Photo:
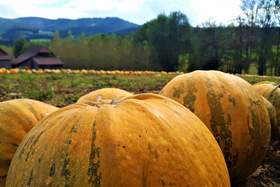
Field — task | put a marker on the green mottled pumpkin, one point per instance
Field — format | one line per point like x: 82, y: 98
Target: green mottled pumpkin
x: 232, y: 110
x: 143, y: 140
x: 17, y: 117
x: 275, y: 130
x: 272, y: 93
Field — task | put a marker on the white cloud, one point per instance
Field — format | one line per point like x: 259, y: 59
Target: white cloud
x: 218, y: 10
x: 138, y: 11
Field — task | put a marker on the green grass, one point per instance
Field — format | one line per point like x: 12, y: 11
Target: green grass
x: 253, y: 79
x: 64, y: 89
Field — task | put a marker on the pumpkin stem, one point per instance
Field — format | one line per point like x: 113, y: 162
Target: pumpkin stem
x: 102, y: 101
x: 276, y: 87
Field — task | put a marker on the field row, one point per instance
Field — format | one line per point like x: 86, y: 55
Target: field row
x: 83, y: 71
x: 4, y: 71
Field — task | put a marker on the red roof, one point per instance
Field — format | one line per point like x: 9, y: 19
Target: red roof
x: 47, y: 61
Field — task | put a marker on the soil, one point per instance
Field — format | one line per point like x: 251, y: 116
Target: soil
x: 268, y: 174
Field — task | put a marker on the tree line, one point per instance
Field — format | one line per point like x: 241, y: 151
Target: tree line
x: 170, y: 43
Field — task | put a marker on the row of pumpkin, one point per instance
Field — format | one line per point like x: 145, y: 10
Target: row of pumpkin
x: 83, y: 71
x: 214, y: 130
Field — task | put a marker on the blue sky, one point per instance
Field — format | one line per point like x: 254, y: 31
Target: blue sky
x: 138, y: 11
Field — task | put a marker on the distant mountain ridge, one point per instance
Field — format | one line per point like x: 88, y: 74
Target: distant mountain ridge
x: 43, y: 28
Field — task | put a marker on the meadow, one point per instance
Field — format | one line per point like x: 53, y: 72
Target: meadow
x: 62, y: 89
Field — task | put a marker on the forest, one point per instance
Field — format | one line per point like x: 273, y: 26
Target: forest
x: 249, y: 44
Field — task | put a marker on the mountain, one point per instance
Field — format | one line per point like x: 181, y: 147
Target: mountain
x: 42, y: 28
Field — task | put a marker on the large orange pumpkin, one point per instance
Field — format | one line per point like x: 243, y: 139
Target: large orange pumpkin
x: 144, y: 140
x: 109, y: 94
x: 272, y: 93
x: 232, y: 110
x: 17, y: 117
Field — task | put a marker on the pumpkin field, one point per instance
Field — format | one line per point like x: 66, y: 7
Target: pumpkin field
x: 135, y: 123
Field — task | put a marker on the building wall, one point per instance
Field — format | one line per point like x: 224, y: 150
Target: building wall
x: 5, y: 64
x: 51, y: 66
x: 26, y: 64
x: 33, y: 65
x: 30, y: 64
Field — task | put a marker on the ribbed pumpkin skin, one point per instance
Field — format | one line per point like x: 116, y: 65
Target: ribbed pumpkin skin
x: 110, y: 94
x: 145, y: 140
x: 272, y: 94
x: 234, y: 113
x: 17, y: 117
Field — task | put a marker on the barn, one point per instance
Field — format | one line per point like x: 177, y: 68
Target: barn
x: 5, y: 60
x: 37, y: 57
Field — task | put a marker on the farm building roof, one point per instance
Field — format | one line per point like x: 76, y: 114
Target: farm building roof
x: 4, y: 55
x: 32, y: 52
x: 47, y: 61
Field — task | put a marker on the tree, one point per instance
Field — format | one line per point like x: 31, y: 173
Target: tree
x: 266, y: 22
x: 239, y: 44
x: 277, y: 39
x: 19, y: 47
x: 250, y: 9
x: 206, y: 47
x: 259, y: 16
x: 169, y: 36
x: 107, y: 52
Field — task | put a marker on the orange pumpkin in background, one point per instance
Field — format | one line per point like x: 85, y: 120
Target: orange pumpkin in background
x: 17, y: 118
x: 272, y: 93
x: 275, y: 130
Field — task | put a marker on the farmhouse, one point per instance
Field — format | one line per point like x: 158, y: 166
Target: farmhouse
x: 5, y: 60
x: 37, y: 57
